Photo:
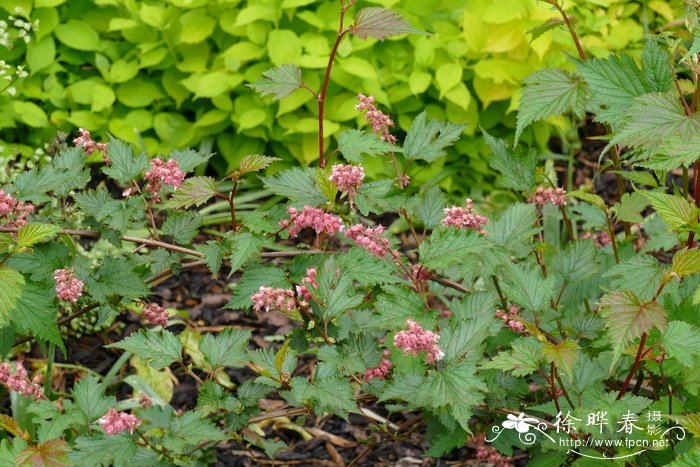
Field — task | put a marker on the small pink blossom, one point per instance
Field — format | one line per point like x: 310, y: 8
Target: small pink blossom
x: 369, y: 238
x: 163, y: 173
x: 542, y: 196
x: 310, y: 279
x: 68, y: 287
x: 268, y: 298
x: 488, y: 454
x: 511, y: 319
x: 464, y: 218
x: 155, y: 314
x: 600, y: 238
x: 114, y: 422
x: 311, y: 218
x: 18, y: 381
x: 13, y: 211
x: 347, y: 178
x: 415, y: 340
x: 89, y: 146
x: 382, y: 370
x: 378, y: 120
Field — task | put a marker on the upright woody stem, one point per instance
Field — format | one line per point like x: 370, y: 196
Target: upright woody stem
x: 326, y: 78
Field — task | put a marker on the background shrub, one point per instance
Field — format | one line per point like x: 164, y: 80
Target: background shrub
x: 171, y: 74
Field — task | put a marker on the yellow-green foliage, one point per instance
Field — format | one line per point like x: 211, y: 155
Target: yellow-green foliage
x: 166, y: 74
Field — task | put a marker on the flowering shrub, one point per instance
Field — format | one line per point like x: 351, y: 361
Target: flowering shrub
x: 461, y: 314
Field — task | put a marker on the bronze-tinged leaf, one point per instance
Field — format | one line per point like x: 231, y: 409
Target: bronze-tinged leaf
x: 52, y: 453
x: 627, y: 318
x: 380, y: 23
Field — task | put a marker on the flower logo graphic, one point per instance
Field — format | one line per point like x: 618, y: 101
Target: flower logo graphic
x: 520, y: 423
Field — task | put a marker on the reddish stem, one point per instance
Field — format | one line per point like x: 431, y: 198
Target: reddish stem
x: 326, y: 80
x: 635, y: 365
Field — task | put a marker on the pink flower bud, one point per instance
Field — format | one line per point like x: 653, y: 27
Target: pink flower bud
x: 464, y: 218
x: 163, y: 173
x: 311, y: 218
x: 542, y: 196
x: 415, y: 340
x: 268, y: 298
x: 370, y: 239
x: 155, y: 314
x: 379, y: 121
x: 68, y: 287
x: 347, y: 178
x: 114, y: 422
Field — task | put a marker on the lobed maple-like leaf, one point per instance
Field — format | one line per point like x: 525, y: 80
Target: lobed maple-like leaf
x: 380, y: 23
x: 280, y: 81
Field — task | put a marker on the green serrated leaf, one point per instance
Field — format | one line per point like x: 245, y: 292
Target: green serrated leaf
x: 686, y: 262
x: 446, y: 247
x: 677, y: 212
x: 35, y: 313
x: 227, y: 348
x: 297, y: 184
x: 160, y: 348
x: 548, y: 92
x: 34, y: 232
x: 245, y: 247
x: 194, y: 191
x: 280, y: 81
x: 182, y: 226
x: 124, y: 167
x: 11, y: 283
x: 427, y: 139
x: 630, y: 207
x: 681, y: 341
x: 525, y: 286
x: 353, y: 144
x: 214, y: 253
x: 89, y: 398
x: 524, y: 358
x: 255, y: 163
x: 517, y: 169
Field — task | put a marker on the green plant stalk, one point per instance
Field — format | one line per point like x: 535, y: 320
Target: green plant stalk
x: 326, y: 80
x: 121, y: 361
x: 48, y: 377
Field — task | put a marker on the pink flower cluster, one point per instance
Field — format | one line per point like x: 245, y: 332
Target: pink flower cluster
x: 268, y: 298
x: 114, y: 422
x: 89, y: 146
x: 312, y: 218
x: 600, y: 238
x: 415, y: 340
x: 310, y: 279
x: 163, y: 173
x: 378, y: 120
x: 488, y: 454
x: 464, y: 218
x: 68, y: 287
x: 155, y: 314
x: 13, y: 210
x: 19, y: 381
x: 369, y: 238
x: 542, y: 196
x: 347, y: 178
x: 511, y: 318
x: 380, y: 371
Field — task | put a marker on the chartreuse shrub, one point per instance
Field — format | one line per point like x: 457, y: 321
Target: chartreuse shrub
x: 572, y: 315
x: 171, y: 74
